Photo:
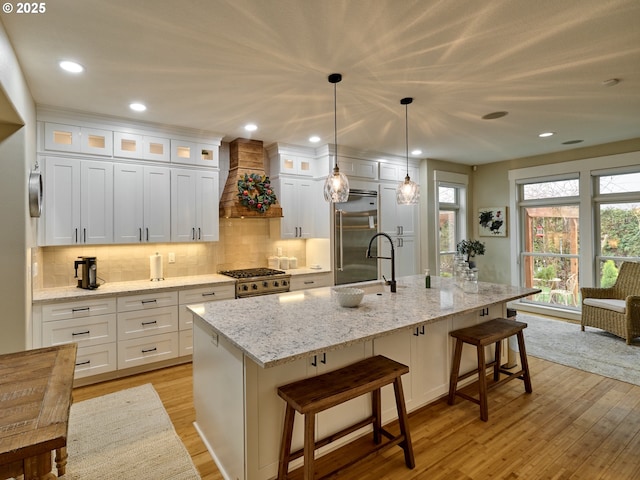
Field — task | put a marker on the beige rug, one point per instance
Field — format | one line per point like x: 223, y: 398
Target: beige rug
x: 125, y: 435
x: 594, y: 350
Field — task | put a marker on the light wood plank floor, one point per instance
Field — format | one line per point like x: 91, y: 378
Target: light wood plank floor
x: 575, y: 425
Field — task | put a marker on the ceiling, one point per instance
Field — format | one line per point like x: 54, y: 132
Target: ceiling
x: 216, y: 65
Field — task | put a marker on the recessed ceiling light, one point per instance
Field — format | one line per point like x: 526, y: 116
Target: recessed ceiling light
x: 137, y: 107
x: 72, y: 67
x: 571, y: 142
x: 314, y: 139
x: 494, y: 115
x: 251, y: 127
x: 417, y: 151
x: 546, y: 134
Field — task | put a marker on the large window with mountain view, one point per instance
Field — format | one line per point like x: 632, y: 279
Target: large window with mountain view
x: 617, y: 210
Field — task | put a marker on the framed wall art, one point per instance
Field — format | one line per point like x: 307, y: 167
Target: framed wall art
x: 492, y: 222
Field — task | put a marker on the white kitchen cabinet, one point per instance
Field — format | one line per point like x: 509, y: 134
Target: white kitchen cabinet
x: 312, y: 280
x: 396, y: 220
x: 142, y: 204
x: 357, y: 168
x: 147, y: 328
x: 78, y: 202
x: 74, y: 139
x: 187, y: 152
x: 131, y: 145
x: 296, y: 196
x: 425, y: 349
x: 89, y: 323
x: 296, y: 165
x: 396, y: 172
x: 256, y: 428
x: 194, y: 296
x: 194, y: 205
x: 400, y: 222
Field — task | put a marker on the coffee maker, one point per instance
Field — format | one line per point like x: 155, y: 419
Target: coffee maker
x: 89, y: 280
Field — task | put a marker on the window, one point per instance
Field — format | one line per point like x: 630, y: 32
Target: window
x: 617, y: 209
x: 550, y: 225
x: 451, y: 221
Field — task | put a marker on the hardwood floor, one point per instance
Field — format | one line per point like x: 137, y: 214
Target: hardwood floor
x: 575, y: 425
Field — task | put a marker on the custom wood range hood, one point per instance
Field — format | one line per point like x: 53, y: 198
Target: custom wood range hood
x: 245, y: 156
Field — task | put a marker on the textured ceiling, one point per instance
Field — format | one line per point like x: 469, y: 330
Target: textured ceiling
x: 217, y: 64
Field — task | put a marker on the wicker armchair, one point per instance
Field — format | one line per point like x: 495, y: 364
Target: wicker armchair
x: 615, y: 309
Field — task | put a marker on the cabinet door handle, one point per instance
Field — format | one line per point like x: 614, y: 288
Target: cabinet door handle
x: 84, y: 235
x: 76, y: 235
x: 324, y: 358
x: 86, y: 362
x: 80, y: 309
x: 300, y: 232
x: 314, y: 362
x: 199, y: 234
x: 309, y: 282
x: 416, y: 332
x: 149, y: 350
x: 211, y: 294
x: 152, y: 322
x: 144, y: 302
x: 140, y: 234
x: 193, y: 233
x: 87, y: 332
x: 422, y: 330
x: 147, y: 229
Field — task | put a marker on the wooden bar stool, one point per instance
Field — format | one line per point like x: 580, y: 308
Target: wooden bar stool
x: 313, y: 395
x: 481, y: 335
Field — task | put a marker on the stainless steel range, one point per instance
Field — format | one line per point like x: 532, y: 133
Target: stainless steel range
x: 251, y: 282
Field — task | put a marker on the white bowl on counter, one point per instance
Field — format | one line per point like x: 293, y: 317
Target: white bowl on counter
x: 348, y: 297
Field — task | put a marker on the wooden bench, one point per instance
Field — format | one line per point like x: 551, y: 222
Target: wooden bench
x: 482, y: 335
x: 313, y: 395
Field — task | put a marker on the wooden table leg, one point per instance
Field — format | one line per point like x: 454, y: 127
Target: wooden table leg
x: 61, y: 460
x: 38, y: 467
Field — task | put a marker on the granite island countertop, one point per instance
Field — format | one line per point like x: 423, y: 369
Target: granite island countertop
x: 276, y: 329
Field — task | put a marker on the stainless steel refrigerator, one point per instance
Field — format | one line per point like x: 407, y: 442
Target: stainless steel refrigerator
x: 356, y: 221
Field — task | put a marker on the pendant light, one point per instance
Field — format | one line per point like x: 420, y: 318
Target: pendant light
x: 408, y: 192
x: 336, y: 186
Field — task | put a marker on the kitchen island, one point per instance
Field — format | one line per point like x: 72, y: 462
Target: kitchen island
x: 244, y: 349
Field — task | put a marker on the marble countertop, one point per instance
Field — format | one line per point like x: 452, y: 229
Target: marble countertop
x: 144, y: 286
x: 276, y: 329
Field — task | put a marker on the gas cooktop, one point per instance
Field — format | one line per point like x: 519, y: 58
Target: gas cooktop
x: 252, y: 272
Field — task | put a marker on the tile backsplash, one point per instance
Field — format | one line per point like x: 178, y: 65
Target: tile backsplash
x: 244, y: 243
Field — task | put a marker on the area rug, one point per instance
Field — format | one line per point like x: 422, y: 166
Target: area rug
x: 593, y: 350
x: 125, y: 435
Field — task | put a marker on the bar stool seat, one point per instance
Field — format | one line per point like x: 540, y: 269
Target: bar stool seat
x: 482, y: 335
x: 315, y: 394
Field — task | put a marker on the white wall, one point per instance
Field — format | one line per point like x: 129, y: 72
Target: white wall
x: 17, y: 157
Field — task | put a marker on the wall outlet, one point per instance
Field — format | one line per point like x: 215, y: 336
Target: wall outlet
x: 172, y: 257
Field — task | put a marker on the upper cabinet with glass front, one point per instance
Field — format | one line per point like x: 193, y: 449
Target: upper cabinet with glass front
x: 70, y: 138
x: 188, y: 152
x: 130, y: 145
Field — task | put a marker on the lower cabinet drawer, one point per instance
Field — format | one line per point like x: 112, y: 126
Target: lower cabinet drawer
x: 140, y: 351
x: 186, y: 342
x: 143, y: 323
x: 95, y: 360
x: 84, y: 331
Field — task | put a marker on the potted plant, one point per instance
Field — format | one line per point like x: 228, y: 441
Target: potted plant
x: 470, y: 248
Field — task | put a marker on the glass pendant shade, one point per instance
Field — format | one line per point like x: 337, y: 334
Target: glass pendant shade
x: 408, y: 192
x: 336, y: 186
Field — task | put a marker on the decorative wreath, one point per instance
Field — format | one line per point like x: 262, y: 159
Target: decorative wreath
x: 254, y: 191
